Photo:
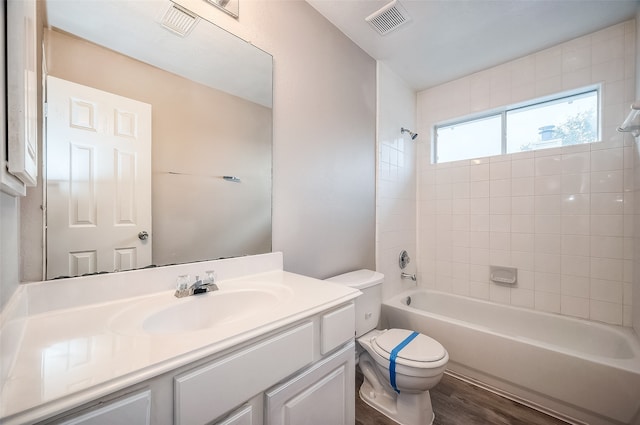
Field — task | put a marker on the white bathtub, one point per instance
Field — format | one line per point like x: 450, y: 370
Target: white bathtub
x: 577, y: 370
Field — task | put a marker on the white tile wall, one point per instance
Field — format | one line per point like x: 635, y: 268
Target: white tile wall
x: 562, y: 216
x: 632, y: 154
x: 396, y: 180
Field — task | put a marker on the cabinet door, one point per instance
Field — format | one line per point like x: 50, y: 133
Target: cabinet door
x: 130, y: 410
x: 205, y: 393
x: 323, y: 394
x: 22, y: 90
x: 243, y: 416
x: 8, y: 182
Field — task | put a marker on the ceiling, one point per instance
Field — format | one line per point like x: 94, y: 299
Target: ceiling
x: 448, y: 39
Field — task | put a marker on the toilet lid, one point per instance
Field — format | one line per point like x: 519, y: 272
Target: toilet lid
x: 420, y: 349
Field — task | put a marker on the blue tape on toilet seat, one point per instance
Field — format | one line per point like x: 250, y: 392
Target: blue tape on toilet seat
x: 392, y: 359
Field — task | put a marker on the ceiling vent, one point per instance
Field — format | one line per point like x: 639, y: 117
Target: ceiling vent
x: 178, y: 20
x: 389, y: 18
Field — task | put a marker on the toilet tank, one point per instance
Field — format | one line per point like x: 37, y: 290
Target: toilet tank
x: 368, y: 304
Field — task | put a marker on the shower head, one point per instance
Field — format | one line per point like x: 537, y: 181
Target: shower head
x: 411, y: 133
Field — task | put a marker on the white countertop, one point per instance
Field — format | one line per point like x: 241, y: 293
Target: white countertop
x: 67, y: 357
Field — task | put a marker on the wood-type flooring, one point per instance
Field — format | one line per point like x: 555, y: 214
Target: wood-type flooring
x: 456, y: 402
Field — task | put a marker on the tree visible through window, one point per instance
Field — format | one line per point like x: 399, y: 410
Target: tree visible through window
x: 580, y: 128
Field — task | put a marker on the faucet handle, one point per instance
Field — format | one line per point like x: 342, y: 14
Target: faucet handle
x: 210, y: 276
x: 182, y: 286
x: 182, y: 283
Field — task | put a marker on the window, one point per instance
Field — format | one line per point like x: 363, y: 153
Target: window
x: 461, y: 141
x: 561, y: 121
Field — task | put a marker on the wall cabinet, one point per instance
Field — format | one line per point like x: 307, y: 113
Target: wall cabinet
x: 20, y: 156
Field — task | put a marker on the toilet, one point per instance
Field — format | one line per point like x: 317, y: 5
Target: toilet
x: 400, y: 366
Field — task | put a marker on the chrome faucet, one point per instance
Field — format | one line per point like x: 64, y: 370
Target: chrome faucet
x: 200, y: 286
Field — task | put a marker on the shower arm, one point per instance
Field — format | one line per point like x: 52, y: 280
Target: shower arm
x: 411, y: 133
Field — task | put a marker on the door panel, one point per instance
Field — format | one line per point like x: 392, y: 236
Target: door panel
x: 98, y: 182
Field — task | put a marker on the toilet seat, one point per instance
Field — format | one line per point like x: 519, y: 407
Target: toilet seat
x: 421, y: 352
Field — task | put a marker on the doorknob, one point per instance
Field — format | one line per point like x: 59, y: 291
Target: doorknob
x: 143, y: 236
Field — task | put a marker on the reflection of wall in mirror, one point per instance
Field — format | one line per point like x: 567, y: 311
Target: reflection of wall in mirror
x: 199, y: 135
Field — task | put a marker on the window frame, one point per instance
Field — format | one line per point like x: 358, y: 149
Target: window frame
x: 502, y: 113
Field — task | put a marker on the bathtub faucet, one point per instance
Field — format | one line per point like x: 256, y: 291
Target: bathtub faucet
x: 409, y: 276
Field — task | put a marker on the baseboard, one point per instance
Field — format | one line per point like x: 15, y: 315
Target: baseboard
x: 515, y: 398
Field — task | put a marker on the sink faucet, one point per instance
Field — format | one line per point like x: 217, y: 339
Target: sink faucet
x: 200, y: 286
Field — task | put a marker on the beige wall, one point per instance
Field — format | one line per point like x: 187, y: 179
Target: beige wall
x: 200, y: 132
x: 635, y: 290
x: 324, y: 135
x: 9, y: 246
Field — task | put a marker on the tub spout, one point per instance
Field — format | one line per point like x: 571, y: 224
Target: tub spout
x: 409, y: 276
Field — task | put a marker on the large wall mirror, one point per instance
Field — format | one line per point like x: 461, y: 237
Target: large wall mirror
x: 158, y: 138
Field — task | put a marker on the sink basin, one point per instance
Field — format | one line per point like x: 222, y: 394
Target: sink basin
x: 208, y: 310
x: 166, y: 314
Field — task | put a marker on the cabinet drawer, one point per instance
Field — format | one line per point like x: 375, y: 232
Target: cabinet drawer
x: 204, y: 394
x: 338, y: 327
x: 133, y: 410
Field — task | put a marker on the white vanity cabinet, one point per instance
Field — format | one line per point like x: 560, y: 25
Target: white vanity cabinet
x: 210, y: 359
x: 303, y: 370
x: 314, y: 362
x: 208, y: 391
x: 322, y: 394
